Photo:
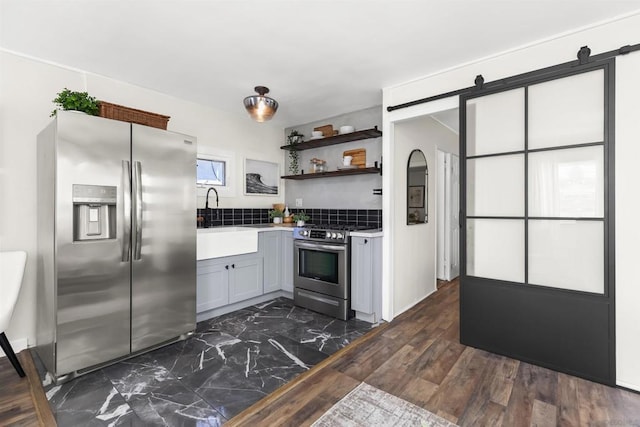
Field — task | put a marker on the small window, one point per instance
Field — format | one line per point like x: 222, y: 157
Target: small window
x: 211, y: 172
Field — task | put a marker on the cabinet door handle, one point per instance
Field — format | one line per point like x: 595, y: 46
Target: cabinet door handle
x: 226, y: 266
x: 233, y: 266
x: 366, y: 241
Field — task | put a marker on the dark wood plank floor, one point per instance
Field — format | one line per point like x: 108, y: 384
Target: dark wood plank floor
x: 418, y: 357
x: 22, y: 400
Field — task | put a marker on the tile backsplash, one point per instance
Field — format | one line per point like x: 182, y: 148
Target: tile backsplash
x: 371, y: 218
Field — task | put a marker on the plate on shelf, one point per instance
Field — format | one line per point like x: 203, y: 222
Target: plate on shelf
x: 342, y: 168
x: 316, y: 137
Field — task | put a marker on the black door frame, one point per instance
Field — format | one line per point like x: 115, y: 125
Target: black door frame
x: 565, y: 330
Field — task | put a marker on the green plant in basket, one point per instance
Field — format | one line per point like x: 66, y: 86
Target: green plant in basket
x: 78, y: 101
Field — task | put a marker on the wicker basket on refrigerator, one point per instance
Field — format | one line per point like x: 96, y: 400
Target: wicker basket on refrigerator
x: 132, y: 115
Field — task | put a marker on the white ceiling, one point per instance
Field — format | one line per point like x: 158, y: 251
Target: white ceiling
x: 320, y: 58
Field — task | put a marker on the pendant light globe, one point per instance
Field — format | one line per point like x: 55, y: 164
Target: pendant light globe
x: 261, y: 108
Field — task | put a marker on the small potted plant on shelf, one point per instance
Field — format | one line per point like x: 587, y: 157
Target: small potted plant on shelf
x: 300, y: 218
x: 77, y: 101
x: 294, y: 138
x: 276, y: 215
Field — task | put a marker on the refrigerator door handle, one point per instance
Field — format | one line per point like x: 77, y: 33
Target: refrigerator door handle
x: 126, y: 207
x: 137, y: 208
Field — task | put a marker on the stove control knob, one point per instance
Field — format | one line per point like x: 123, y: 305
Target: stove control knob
x: 340, y: 236
x: 334, y: 236
x: 303, y: 232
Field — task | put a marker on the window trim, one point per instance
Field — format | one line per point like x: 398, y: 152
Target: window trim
x: 229, y: 158
x: 224, y: 178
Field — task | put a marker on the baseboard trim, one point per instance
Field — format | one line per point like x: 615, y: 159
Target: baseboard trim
x: 629, y: 386
x: 18, y: 345
x: 413, y: 304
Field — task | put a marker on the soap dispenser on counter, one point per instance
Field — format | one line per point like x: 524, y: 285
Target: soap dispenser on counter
x: 287, y: 218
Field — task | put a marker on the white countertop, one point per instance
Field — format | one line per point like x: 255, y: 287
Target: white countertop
x: 259, y: 227
x: 375, y: 232
x: 270, y: 227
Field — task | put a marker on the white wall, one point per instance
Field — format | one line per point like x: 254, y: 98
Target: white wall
x: 27, y: 87
x: 627, y: 229
x: 415, y: 260
x: 601, y: 38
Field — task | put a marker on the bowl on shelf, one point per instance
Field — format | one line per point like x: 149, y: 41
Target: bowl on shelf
x: 316, y: 134
x: 346, y: 129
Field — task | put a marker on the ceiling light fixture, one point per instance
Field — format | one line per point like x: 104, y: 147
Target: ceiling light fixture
x: 261, y: 108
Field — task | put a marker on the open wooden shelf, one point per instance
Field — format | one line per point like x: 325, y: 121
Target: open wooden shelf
x: 333, y: 140
x: 346, y: 172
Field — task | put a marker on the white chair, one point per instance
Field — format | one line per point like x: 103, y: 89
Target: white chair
x: 11, y: 272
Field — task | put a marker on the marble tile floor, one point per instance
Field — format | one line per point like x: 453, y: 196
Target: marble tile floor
x: 231, y: 362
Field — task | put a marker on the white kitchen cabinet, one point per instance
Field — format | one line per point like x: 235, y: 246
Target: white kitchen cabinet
x: 366, y: 277
x: 226, y: 280
x: 212, y: 285
x: 245, y: 279
x: 270, y: 244
x: 287, y: 261
x: 230, y: 280
x: 277, y: 250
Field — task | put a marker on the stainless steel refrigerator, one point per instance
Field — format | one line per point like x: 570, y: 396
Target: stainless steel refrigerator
x: 116, y: 241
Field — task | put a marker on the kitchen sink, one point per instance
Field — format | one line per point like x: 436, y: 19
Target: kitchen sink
x: 219, y: 242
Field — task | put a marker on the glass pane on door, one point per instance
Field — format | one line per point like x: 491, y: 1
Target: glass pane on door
x: 567, y: 254
x: 567, y: 183
x: 567, y: 111
x: 495, y: 249
x: 495, y: 186
x: 495, y: 123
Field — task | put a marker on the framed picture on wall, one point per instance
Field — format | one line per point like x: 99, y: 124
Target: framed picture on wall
x: 416, y: 196
x: 261, y: 178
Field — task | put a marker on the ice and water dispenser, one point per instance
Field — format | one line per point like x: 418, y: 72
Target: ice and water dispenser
x: 94, y: 212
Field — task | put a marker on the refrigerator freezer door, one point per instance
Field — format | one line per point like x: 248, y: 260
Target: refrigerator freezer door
x: 93, y: 283
x: 163, y: 268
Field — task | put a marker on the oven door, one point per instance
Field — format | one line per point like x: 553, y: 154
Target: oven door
x: 321, y: 267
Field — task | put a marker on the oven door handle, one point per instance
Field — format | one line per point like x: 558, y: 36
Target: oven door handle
x: 331, y: 248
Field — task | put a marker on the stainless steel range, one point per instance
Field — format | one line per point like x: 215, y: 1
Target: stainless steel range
x: 322, y: 268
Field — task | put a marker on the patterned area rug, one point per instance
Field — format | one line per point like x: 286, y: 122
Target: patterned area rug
x: 368, y: 406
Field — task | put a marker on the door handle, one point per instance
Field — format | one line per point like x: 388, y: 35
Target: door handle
x: 233, y: 266
x: 137, y: 208
x: 317, y: 246
x: 226, y: 267
x: 126, y: 207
